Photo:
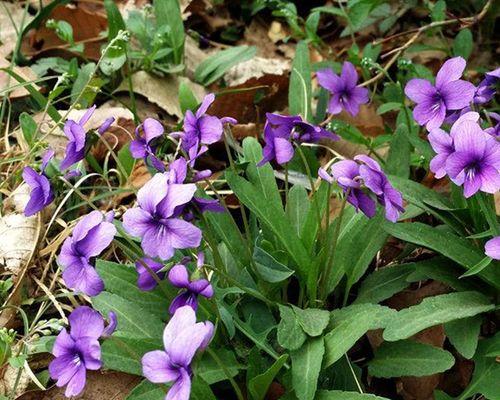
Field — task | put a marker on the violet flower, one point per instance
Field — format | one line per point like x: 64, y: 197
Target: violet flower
x: 355, y: 177
x: 201, y: 129
x: 145, y: 281
x: 449, y: 93
x: 281, y: 130
x: 492, y: 248
x: 494, y: 130
x: 76, y: 133
x: 79, y: 350
x: 41, y: 194
x: 182, y: 338
x: 91, y: 235
x: 179, y: 277
x: 346, y: 94
x: 156, y: 220
x: 486, y: 89
x: 442, y: 144
x: 141, y: 147
x: 106, y: 125
x: 475, y: 163
x: 346, y: 173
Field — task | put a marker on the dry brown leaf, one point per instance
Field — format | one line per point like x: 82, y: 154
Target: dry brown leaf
x: 9, y: 381
x: 162, y: 91
x: 87, y: 29
x: 8, y: 33
x: 6, y: 81
x: 276, y: 32
x: 19, y: 237
x: 255, y: 68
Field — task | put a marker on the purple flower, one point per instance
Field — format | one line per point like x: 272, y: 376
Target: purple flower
x: 345, y: 92
x: 475, y: 163
x: 201, y: 129
x: 145, y: 281
x: 76, y: 134
x: 486, y: 89
x: 47, y: 156
x: 106, y: 125
x: 442, y: 144
x: 492, y: 248
x: 182, y: 338
x: 277, y: 135
x: 91, y: 235
x: 494, y: 130
x: 305, y: 132
x: 449, y: 93
x: 41, y: 194
x: 141, y: 147
x: 177, y: 173
x: 112, y: 324
x: 354, y: 177
x: 178, y: 276
x: 156, y: 219
x: 77, y: 351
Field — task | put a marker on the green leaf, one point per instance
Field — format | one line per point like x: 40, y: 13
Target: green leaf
x: 419, y: 194
x: 398, y: 161
x: 312, y: 320
x: 133, y: 320
x: 486, y: 372
x: 290, y: 333
x: 187, y: 99
x: 297, y: 207
x: 311, y: 225
x: 409, y: 358
x: 268, y: 268
x: 384, y: 283
x: 299, y: 91
x: 386, y: 107
x: 168, y: 14
x: 211, y: 372
x: 340, y: 395
x: 434, y: 311
x: 115, y: 20
x: 146, y: 391
x: 216, y: 65
x: 463, y: 44
x: 200, y: 390
x: 126, y: 159
x: 124, y: 354
x: 464, y: 334
x: 259, y: 385
x: 476, y: 269
x: 306, y: 365
x: 454, y: 247
x: 114, y: 57
x: 121, y: 280
x: 359, y: 241
x: 28, y: 126
x: 349, y: 324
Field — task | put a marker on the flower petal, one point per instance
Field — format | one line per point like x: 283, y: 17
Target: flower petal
x: 156, y: 367
x: 64, y: 344
x: 181, y: 389
x: 183, y: 234
x: 283, y: 150
x: 183, y: 320
x: 457, y: 94
x: 450, y: 71
x: 210, y: 129
x: 85, y: 322
x: 178, y: 276
x: 349, y: 75
x: 207, y: 102
x: 153, y: 192
x: 419, y: 90
x: 83, y: 278
x: 329, y: 80
x: 177, y: 195
x: 152, y: 129
x: 137, y: 222
x: 492, y: 248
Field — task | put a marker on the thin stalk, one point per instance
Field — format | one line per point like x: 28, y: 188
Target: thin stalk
x: 331, y: 255
x: 286, y: 185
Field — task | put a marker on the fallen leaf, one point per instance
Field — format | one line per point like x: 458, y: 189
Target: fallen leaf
x: 255, y: 68
x: 19, y: 237
x: 162, y: 91
x: 276, y: 32
x: 11, y: 16
x: 13, y: 378
x: 87, y: 28
x: 6, y: 81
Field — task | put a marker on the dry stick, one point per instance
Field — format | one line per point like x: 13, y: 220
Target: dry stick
x: 398, y: 51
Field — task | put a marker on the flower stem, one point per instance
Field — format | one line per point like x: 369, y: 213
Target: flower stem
x: 219, y: 362
x: 331, y: 255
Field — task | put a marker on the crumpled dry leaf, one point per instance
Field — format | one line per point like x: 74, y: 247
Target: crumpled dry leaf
x: 193, y: 56
x: 87, y: 28
x: 9, y: 378
x: 276, y: 32
x: 162, y: 91
x: 256, y: 68
x: 19, y: 237
x: 6, y: 81
x: 8, y: 34
x: 18, y: 234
